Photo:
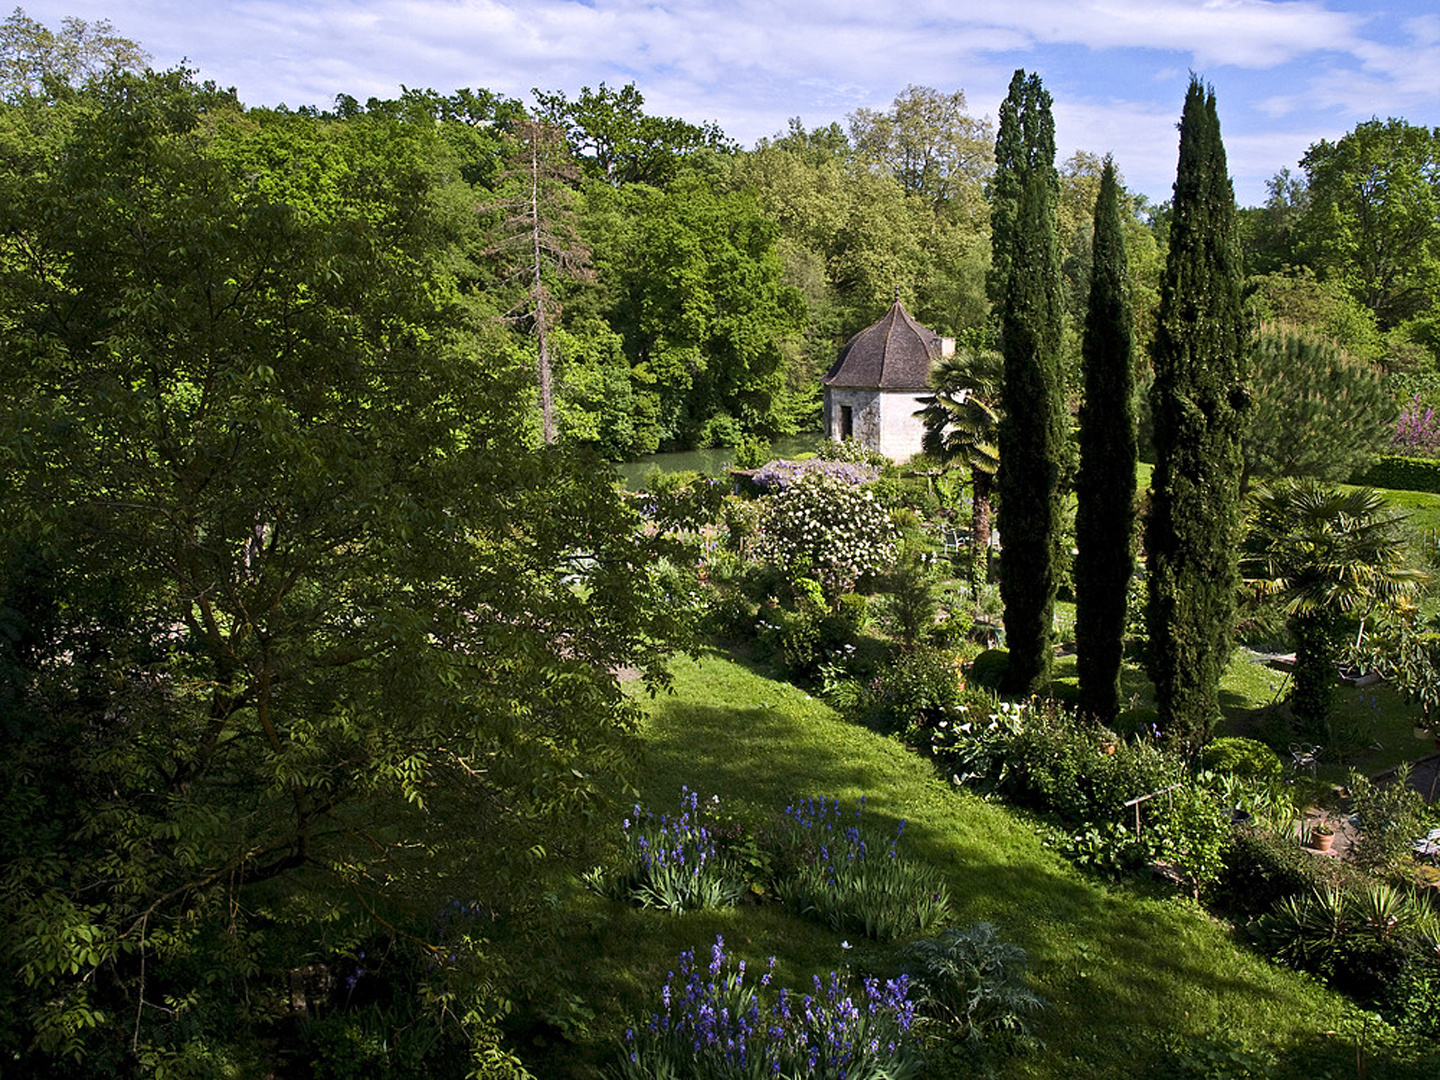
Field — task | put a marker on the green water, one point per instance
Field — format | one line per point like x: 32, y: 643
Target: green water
x: 712, y: 461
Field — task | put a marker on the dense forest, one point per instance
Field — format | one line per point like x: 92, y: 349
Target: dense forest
x: 308, y: 550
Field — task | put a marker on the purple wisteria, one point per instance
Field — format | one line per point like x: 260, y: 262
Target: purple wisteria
x: 712, y: 1024
x: 778, y: 475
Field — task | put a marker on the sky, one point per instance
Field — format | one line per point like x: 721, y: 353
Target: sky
x: 1286, y: 73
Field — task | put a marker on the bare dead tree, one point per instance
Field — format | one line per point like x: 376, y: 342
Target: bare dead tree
x: 537, y: 238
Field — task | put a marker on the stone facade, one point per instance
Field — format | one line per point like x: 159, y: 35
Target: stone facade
x: 874, y: 389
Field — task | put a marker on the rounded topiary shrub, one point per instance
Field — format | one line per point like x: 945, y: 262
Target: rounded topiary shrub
x: 989, y: 668
x: 1242, y: 757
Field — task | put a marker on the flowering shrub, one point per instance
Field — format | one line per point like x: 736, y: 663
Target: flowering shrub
x: 839, y: 869
x: 711, y: 1024
x: 829, y: 529
x: 1417, y: 433
x: 675, y: 864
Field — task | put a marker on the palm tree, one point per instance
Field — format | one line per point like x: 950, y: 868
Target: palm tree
x: 1324, y: 554
x: 962, y: 423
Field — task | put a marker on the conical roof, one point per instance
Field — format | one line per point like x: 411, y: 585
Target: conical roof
x: 893, y: 354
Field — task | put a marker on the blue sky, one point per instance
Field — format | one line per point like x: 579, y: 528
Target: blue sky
x: 1286, y: 72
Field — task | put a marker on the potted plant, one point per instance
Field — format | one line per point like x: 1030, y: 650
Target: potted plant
x: 1322, y: 837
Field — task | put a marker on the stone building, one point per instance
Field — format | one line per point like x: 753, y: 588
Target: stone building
x: 873, y: 391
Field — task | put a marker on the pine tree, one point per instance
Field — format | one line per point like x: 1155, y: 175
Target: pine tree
x: 1032, y: 434
x: 1199, y: 401
x: 1105, y: 486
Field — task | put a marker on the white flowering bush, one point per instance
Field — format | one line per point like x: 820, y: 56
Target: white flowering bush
x: 827, y: 528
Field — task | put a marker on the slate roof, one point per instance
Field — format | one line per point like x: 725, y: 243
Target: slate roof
x: 893, y: 354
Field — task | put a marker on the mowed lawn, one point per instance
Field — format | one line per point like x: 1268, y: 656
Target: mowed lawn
x: 1128, y: 975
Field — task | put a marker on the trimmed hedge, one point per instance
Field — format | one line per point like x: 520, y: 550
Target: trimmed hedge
x: 1401, y: 474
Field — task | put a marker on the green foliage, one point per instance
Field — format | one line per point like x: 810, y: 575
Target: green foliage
x: 311, y: 595
x: 1195, y: 837
x: 1264, y: 867
x: 970, y: 986
x: 1322, y: 554
x: 1198, y: 401
x: 1303, y: 304
x: 698, y: 295
x: 829, y: 528
x: 1412, y: 1000
x: 913, y: 692
x: 846, y: 873
x: 1358, y: 940
x: 609, y: 131
x: 1033, y: 434
x: 675, y: 864
x: 1314, y: 411
x: 1391, y: 816
x: 1401, y: 473
x: 1242, y: 757
x: 1105, y: 484
x: 36, y: 60
x: 1372, y: 219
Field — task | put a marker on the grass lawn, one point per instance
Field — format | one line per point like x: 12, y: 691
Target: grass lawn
x: 1124, y: 971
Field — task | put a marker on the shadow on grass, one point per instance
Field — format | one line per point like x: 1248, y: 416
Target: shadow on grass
x: 1117, y: 968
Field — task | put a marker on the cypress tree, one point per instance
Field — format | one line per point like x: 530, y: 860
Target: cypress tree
x: 1199, y: 401
x: 1105, y: 485
x: 1033, y: 431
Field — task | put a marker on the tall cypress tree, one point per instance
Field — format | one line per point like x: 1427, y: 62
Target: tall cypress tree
x: 1032, y: 433
x: 1105, y: 485
x: 1198, y: 400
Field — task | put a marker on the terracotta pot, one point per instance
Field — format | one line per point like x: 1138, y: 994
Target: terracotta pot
x: 1323, y: 841
x: 1107, y: 748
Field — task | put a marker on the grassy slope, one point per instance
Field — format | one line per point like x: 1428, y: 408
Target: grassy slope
x: 1119, y: 968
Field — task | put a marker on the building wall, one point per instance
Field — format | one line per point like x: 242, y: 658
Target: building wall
x: 883, y: 420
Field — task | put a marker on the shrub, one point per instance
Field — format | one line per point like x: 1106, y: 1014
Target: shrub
x: 683, y: 502
x: 1390, y: 817
x: 914, y: 692
x: 829, y: 529
x: 1242, y: 757
x: 1263, y: 868
x: 854, y: 451
x: 1412, y: 1000
x: 1194, y: 836
x: 989, y: 668
x: 674, y: 864
x: 969, y: 986
x: 1359, y: 941
x: 972, y: 741
x: 1402, y: 474
x: 840, y: 870
x: 712, y: 1025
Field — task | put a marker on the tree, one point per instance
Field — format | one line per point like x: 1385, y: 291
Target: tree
x: 538, y: 230
x: 962, y: 424
x: 1105, y: 485
x: 296, y: 601
x: 32, y: 55
x: 1033, y: 431
x: 1314, y: 412
x: 1324, y: 555
x: 928, y: 142
x: 697, y: 291
x: 1198, y: 402
x: 1372, y: 219
x: 609, y: 131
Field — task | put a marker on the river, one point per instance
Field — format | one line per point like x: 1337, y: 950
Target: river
x: 712, y: 461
